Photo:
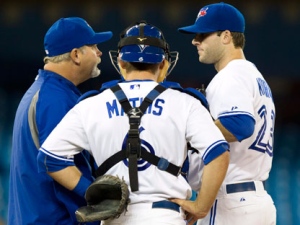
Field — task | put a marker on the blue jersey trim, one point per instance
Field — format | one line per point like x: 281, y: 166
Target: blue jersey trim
x: 213, y: 213
x: 51, y: 163
x: 235, y: 113
x: 240, y: 125
x: 214, y: 151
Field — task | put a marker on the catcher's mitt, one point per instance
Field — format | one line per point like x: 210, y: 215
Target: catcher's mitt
x: 107, y: 197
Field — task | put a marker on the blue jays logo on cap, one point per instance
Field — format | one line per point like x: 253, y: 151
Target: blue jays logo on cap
x: 202, y: 12
x: 216, y: 17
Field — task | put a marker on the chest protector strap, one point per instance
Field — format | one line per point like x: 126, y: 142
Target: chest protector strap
x: 133, y: 150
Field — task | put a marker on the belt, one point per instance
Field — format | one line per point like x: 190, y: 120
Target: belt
x: 166, y: 205
x: 240, y: 187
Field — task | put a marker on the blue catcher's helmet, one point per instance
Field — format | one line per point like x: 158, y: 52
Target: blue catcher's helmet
x: 143, y: 43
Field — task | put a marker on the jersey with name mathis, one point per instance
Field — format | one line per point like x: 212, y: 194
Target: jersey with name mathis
x: 99, y: 125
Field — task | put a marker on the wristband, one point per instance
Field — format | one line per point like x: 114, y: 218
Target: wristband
x: 82, y: 186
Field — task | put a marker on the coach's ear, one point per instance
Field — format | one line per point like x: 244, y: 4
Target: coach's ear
x: 75, y: 55
x: 164, y: 66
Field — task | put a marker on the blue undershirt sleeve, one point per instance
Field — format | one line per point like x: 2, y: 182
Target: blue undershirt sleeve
x: 241, y: 126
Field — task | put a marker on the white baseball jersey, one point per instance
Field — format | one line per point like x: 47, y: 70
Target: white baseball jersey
x: 240, y: 89
x: 99, y: 125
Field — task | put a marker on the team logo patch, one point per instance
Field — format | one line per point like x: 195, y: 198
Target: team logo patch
x: 202, y: 12
x: 134, y: 86
x: 142, y: 47
x: 141, y: 39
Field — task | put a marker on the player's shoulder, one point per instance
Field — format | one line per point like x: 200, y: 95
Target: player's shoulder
x: 104, y: 87
x: 189, y: 93
x: 239, y: 66
x: 237, y: 72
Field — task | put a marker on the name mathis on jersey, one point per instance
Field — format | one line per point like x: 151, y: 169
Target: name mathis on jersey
x: 115, y: 109
x: 264, y: 88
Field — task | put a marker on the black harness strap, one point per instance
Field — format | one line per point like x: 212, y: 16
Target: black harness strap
x: 121, y: 98
x: 141, y: 40
x: 133, y: 149
x: 110, y: 162
x: 133, y: 145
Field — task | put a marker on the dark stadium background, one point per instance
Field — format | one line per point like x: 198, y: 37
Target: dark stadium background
x: 272, y: 43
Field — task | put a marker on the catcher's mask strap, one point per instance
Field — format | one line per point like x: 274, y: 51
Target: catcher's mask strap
x: 133, y: 149
x: 139, y: 40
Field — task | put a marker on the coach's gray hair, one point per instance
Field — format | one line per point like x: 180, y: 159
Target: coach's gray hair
x: 60, y: 58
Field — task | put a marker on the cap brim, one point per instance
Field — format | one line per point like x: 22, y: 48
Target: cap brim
x: 101, y: 37
x: 194, y: 29
x: 188, y: 29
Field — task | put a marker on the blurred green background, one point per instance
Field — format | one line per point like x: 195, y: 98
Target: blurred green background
x: 272, y: 43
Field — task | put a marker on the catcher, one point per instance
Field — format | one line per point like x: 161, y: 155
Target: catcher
x: 137, y: 129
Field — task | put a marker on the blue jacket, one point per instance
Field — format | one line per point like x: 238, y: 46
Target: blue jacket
x: 34, y: 198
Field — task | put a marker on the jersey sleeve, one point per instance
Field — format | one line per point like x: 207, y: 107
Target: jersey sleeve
x: 230, y: 96
x: 66, y: 140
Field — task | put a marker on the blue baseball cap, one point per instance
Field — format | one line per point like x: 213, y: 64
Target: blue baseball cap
x: 216, y: 17
x: 69, y: 33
